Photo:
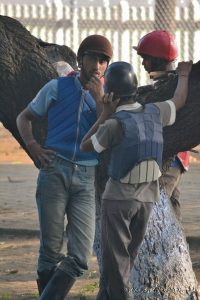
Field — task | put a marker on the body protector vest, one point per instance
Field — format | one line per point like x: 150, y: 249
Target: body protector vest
x: 69, y: 119
x: 142, y: 140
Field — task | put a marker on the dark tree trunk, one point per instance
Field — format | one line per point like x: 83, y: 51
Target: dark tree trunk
x: 26, y: 65
x: 185, y: 133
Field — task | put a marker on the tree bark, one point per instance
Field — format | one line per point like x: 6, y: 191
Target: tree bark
x: 163, y: 268
x: 185, y: 133
x: 26, y: 65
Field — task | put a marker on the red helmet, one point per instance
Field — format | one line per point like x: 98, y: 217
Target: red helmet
x: 159, y: 44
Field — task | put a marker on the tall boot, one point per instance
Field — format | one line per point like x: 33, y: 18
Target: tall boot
x: 58, y: 286
x: 43, y: 279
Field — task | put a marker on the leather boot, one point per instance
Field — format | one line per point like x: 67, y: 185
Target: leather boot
x: 58, y: 286
x: 43, y: 279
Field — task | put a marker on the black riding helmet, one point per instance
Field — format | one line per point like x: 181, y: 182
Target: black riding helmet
x: 120, y: 79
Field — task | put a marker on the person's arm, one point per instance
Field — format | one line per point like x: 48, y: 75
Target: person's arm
x: 37, y: 108
x: 181, y: 92
x: 95, y: 87
x: 24, y: 126
x: 109, y: 107
x: 40, y: 156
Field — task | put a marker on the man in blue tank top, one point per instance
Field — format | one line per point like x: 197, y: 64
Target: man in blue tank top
x: 133, y: 133
x: 65, y: 184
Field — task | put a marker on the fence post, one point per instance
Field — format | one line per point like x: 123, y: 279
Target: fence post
x: 74, y: 29
x: 167, y: 20
x: 191, y: 32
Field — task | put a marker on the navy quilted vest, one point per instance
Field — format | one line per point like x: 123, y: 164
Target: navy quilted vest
x: 142, y: 140
x: 69, y: 119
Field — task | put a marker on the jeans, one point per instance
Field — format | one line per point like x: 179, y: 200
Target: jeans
x: 64, y: 188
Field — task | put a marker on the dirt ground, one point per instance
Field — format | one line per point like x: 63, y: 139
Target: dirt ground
x: 19, y: 225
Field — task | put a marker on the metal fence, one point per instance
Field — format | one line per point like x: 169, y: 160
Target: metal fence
x: 122, y: 22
